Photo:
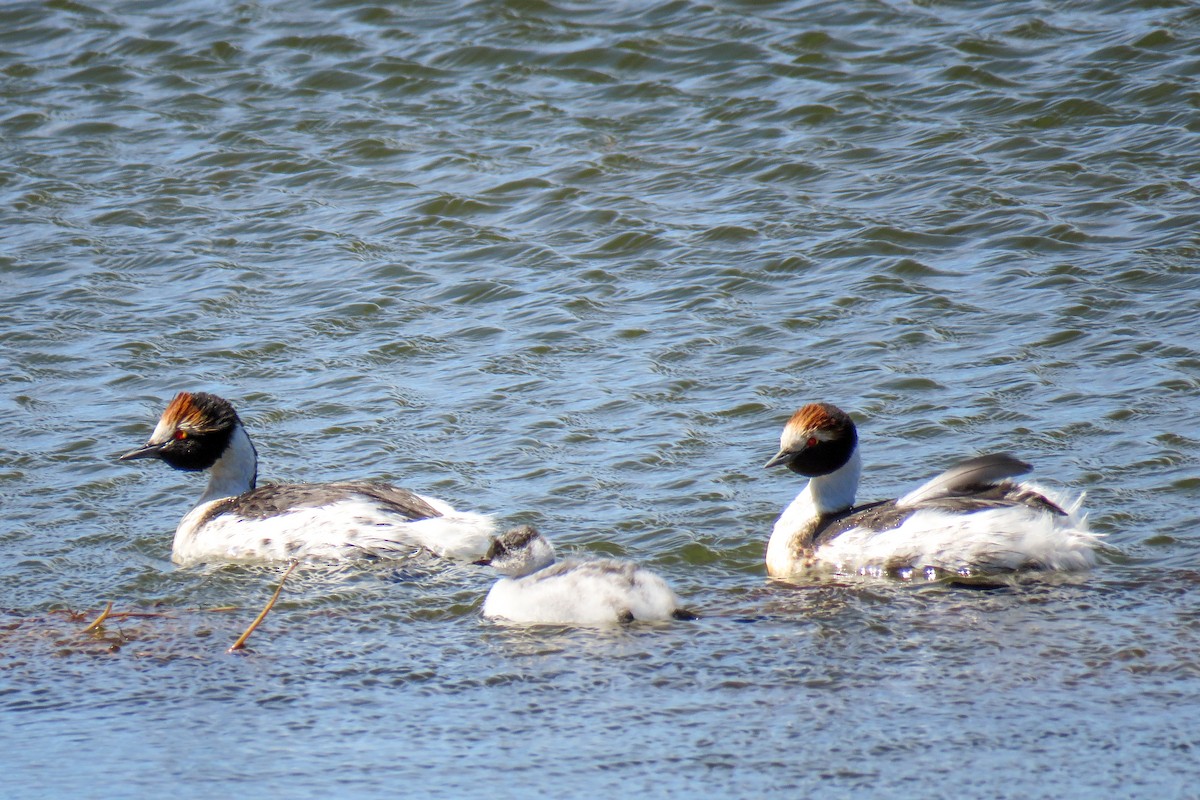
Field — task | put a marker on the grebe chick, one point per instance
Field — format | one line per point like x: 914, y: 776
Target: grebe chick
x: 971, y: 519
x: 235, y: 521
x: 597, y: 592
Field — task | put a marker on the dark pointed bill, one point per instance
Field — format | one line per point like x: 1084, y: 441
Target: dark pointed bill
x: 486, y: 561
x: 780, y: 457
x: 149, y: 451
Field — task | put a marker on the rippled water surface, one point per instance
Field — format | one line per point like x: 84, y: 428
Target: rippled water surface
x: 575, y: 264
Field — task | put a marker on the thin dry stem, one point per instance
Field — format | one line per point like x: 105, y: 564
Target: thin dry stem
x: 98, y: 621
x: 241, y: 642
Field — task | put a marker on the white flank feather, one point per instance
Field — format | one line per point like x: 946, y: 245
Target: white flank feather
x: 995, y: 540
x: 355, y: 526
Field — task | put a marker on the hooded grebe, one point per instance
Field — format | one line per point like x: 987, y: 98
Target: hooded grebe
x: 233, y: 520
x: 971, y: 519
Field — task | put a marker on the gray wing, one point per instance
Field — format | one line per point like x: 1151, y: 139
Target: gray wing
x: 272, y: 499
x: 967, y: 478
x: 881, y: 516
x: 976, y: 484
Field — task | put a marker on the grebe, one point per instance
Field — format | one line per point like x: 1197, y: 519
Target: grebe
x: 573, y: 592
x: 233, y: 520
x: 971, y: 519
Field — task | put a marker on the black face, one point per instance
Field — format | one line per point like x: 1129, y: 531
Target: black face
x: 199, y: 439
x: 823, y: 457
x: 197, y: 452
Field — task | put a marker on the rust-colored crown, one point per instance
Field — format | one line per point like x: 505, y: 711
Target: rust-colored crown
x: 818, y: 417
x: 198, y: 413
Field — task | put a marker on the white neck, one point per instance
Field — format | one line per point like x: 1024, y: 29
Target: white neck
x: 824, y: 494
x: 537, y: 554
x: 235, y: 471
x: 835, y: 491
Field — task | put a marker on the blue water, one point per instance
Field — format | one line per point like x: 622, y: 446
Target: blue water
x: 574, y: 265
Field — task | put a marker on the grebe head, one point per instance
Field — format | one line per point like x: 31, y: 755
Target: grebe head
x: 193, y: 432
x: 819, y: 439
x: 519, y: 551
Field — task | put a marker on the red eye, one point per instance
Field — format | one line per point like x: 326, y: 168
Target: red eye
x: 812, y: 442
x: 180, y: 434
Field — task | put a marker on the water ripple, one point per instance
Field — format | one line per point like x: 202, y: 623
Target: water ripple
x: 575, y: 264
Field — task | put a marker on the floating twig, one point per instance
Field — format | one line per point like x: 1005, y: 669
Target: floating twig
x: 108, y: 614
x: 241, y: 641
x: 98, y: 621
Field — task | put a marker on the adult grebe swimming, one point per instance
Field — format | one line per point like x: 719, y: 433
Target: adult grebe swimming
x: 971, y: 519
x: 572, y: 592
x: 233, y: 520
